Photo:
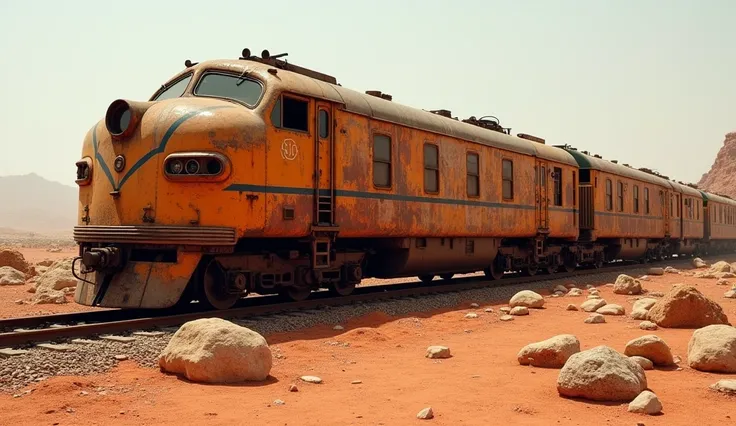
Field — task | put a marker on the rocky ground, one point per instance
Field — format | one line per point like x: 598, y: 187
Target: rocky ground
x: 451, y: 359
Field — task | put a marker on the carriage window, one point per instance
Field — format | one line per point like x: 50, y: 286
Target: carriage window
x: 574, y: 190
x: 324, y: 124
x: 473, y: 175
x: 234, y: 87
x: 381, y: 160
x: 620, y: 195
x: 175, y: 90
x: 558, y: 186
x: 507, y: 174
x: 636, y: 198
x: 431, y: 168
x: 679, y: 205
x: 697, y: 209
x: 609, y: 195
x: 291, y: 113
x: 646, y: 200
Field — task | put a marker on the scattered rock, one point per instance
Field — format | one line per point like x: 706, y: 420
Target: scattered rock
x: 725, y: 386
x: 713, y: 349
x: 645, y: 363
x: 214, y: 350
x: 641, y: 308
x: 594, y: 296
x: 474, y: 305
x: 471, y: 315
x: 488, y: 310
x: 311, y: 379
x: 722, y: 281
x: 648, y: 325
x: 559, y: 289
x: 595, y: 319
x: 671, y: 270
x: 356, y: 382
x: 14, y: 259
x: 575, y: 292
x: 730, y: 294
x: 651, y: 347
x: 611, y: 309
x: 644, y: 278
x: 505, y: 309
x: 685, y: 306
x: 438, y: 352
x: 425, y: 414
x: 646, y: 403
x: 601, y: 374
x: 121, y: 357
x: 527, y: 298
x: 57, y: 277
x: 721, y: 266
x: 519, y: 310
x: 338, y: 327
x: 571, y: 307
x: 293, y: 388
x: 278, y: 402
x: 655, y: 294
x: 592, y: 305
x: 550, y: 353
x: 11, y: 276
x: 626, y: 284
x: 48, y: 297
x: 655, y: 271
x: 506, y: 318
x: 698, y: 263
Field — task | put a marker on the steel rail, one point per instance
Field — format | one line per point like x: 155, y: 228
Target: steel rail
x: 266, y: 305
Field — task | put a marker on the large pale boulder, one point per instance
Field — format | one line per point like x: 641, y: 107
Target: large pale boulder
x: 713, y: 349
x: 721, y: 266
x: 11, y: 276
x: 214, y: 350
x: 626, y: 284
x: 58, y: 276
x: 651, y: 347
x: 698, y: 263
x: 601, y: 374
x: 684, y: 307
x: 14, y: 259
x: 550, y: 353
x: 528, y: 299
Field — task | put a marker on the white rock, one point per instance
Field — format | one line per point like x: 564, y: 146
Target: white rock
x: 641, y: 308
x: 57, y: 277
x: 11, y: 276
x: 611, y: 309
x: 519, y: 310
x: 592, y: 305
x: 645, y: 363
x: 646, y: 403
x: 651, y: 347
x: 595, y: 319
x: 311, y: 379
x: 425, y: 414
x: 471, y: 315
x: 648, y: 325
x: 655, y: 271
x: 474, y: 305
x: 698, y: 263
x: 550, y: 353
x: 574, y: 292
x: 506, y: 318
x: 725, y: 386
x: 601, y: 374
x: 571, y: 307
x: 528, y: 299
x: 214, y: 350
x: 626, y: 284
x: 713, y: 349
x: 438, y: 352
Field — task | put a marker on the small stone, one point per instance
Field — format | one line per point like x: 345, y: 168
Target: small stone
x: 338, y: 327
x: 471, y: 315
x: 505, y: 309
x: 645, y: 363
x: 436, y: 352
x: 425, y: 414
x: 655, y: 271
x: 725, y: 386
x: 18, y: 302
x: 311, y: 379
x: 595, y: 319
x: 122, y: 339
x: 121, y: 357
x: 356, y: 382
x: 506, y: 318
x: 519, y: 310
x: 488, y: 310
x: 648, y: 325
x: 474, y: 305
x: 572, y: 307
x: 647, y: 403
x: 293, y: 388
x: 575, y: 292
x: 83, y: 393
x: 611, y: 309
x: 278, y: 402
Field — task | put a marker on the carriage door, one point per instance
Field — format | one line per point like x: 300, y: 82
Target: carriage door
x: 664, y: 197
x: 542, y: 196
x: 324, y: 187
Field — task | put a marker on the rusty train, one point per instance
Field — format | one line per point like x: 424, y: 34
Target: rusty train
x: 258, y: 175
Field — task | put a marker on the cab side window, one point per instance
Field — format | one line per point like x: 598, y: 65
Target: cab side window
x: 291, y: 113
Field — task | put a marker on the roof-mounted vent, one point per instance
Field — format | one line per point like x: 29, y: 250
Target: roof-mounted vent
x: 530, y: 138
x: 378, y: 94
x: 484, y: 122
x: 597, y: 156
x: 586, y: 152
x: 442, y: 112
x: 614, y: 161
x: 274, y: 61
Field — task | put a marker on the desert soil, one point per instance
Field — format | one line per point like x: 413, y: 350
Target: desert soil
x: 482, y: 383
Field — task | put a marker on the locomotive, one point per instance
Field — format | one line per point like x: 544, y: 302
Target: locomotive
x: 255, y: 175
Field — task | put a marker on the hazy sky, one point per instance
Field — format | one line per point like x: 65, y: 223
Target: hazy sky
x: 650, y: 83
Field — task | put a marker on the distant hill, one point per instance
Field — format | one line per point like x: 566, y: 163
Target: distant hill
x: 32, y: 203
x: 721, y: 179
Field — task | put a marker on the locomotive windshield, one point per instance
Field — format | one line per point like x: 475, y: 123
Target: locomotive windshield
x: 239, y: 88
x: 175, y: 90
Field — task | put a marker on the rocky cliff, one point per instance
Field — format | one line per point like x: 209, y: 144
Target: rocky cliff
x: 721, y: 178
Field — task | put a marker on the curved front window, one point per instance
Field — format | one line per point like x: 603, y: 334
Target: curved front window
x: 175, y: 90
x: 239, y: 88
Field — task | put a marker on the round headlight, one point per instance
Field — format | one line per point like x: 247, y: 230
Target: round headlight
x: 192, y: 167
x: 118, y: 117
x: 175, y: 167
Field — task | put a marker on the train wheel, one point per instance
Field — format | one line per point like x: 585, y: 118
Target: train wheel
x: 295, y: 294
x: 495, y: 270
x: 530, y: 270
x: 447, y: 276
x: 551, y: 270
x: 343, y: 288
x: 426, y: 278
x: 214, y: 286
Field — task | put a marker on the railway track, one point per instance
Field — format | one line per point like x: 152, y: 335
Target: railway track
x: 24, y: 331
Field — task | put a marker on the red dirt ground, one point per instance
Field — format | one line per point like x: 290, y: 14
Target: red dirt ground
x: 481, y: 384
